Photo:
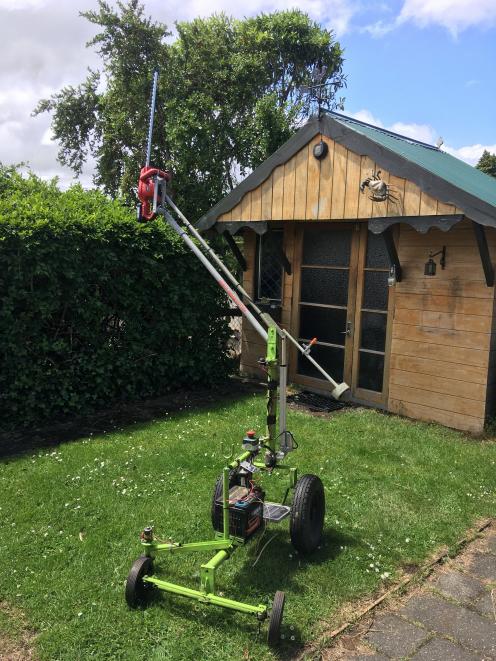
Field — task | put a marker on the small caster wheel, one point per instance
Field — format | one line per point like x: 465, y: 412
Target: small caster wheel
x: 274, y: 632
x: 136, y: 588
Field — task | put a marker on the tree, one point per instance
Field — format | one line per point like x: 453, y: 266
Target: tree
x: 487, y: 163
x: 229, y: 95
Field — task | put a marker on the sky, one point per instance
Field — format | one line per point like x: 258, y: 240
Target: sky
x: 423, y: 68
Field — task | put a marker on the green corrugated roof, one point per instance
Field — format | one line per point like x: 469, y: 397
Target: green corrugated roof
x: 436, y: 161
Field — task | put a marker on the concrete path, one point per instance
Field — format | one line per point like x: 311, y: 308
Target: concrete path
x: 452, y: 617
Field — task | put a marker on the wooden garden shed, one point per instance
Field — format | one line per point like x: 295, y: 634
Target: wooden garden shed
x: 382, y: 247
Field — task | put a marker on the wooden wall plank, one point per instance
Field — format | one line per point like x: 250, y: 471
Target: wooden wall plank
x: 468, y: 374
x: 447, y: 338
x: 411, y: 201
x: 448, y: 354
x: 454, y: 273
x: 428, y: 205
x: 438, y: 400
x: 448, y: 418
x: 352, y: 195
x: 438, y: 384
x: 256, y: 203
x: 367, y: 166
x: 313, y: 182
x: 289, y: 189
x: 445, y: 209
x: 225, y: 216
x: 246, y: 206
x: 396, y: 207
x: 325, y: 185
x: 438, y: 287
x: 467, y: 255
x: 267, y: 199
x: 277, y: 192
x: 339, y: 182
x: 451, y: 304
x: 301, y: 174
x: 447, y: 320
x: 236, y: 212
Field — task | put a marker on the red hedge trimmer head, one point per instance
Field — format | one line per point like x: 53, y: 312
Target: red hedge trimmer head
x: 149, y: 183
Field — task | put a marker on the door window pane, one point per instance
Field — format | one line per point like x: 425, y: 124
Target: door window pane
x: 371, y: 371
x: 330, y: 358
x: 375, y: 290
x: 326, y: 324
x: 373, y: 335
x: 328, y: 286
x: 377, y: 256
x: 327, y: 247
x: 269, y: 265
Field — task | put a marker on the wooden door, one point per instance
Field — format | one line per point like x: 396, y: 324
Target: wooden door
x: 325, y: 291
x: 341, y: 297
x: 373, y: 321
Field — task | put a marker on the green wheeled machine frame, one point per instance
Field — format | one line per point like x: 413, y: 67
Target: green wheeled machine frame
x: 258, y: 454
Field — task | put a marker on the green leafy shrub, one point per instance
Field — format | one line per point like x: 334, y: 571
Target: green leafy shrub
x: 94, y: 306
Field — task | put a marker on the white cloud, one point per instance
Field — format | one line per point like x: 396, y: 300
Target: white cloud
x: 15, y: 5
x: 379, y: 28
x: 422, y: 132
x: 454, y: 15
x: 470, y: 153
x: 336, y: 14
x: 43, y: 50
x: 368, y: 117
x: 425, y: 133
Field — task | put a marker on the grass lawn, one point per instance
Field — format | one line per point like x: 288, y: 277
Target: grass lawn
x: 70, y: 519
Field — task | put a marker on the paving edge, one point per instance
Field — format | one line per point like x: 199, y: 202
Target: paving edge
x: 422, y: 573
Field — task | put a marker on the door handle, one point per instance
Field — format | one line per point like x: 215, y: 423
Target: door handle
x: 349, y: 329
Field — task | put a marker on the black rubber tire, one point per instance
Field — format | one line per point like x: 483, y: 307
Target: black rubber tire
x: 136, y: 589
x: 307, y: 514
x: 274, y: 631
x: 217, y: 520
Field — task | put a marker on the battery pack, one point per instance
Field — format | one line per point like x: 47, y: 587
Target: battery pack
x: 245, y: 512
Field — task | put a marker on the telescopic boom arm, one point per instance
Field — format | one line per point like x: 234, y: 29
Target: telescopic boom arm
x: 338, y: 388
x: 155, y: 200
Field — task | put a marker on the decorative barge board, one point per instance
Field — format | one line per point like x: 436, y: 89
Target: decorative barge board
x: 324, y: 220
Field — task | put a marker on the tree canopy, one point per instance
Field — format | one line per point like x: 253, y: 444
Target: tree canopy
x: 230, y: 93
x: 487, y: 163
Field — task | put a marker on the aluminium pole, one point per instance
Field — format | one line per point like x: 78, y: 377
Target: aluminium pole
x: 213, y: 255
x: 338, y: 388
x: 214, y: 273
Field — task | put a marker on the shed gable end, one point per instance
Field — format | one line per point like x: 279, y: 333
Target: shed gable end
x: 304, y: 188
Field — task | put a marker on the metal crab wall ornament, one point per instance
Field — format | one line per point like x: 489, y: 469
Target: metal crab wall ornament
x: 380, y: 191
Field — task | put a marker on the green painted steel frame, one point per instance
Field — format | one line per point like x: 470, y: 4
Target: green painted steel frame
x: 225, y: 544
x: 208, y: 598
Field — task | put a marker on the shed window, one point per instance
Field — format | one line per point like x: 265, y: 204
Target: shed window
x: 269, y: 266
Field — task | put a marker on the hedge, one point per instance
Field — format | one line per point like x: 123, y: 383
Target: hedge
x: 96, y: 307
